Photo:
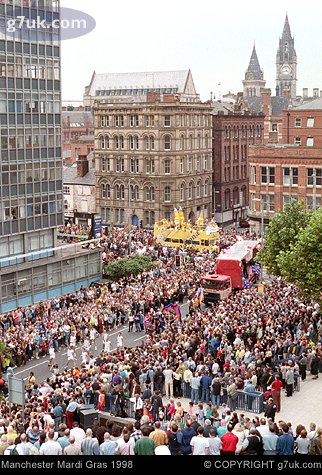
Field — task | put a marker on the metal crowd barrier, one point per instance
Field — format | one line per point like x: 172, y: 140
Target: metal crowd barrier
x: 250, y: 402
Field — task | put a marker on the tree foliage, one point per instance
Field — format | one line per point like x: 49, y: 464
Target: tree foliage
x: 301, y: 264
x: 129, y: 266
x: 282, y: 232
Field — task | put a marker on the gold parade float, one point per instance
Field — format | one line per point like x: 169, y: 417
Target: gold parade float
x: 203, y: 236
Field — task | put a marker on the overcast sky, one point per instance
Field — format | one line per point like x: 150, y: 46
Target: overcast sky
x: 213, y: 38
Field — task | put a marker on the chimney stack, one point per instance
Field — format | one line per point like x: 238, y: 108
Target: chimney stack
x: 82, y: 166
x: 315, y: 92
x: 305, y: 92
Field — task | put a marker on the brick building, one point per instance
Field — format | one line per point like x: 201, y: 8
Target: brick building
x: 233, y: 132
x: 279, y: 174
x: 302, y: 125
x: 77, y: 133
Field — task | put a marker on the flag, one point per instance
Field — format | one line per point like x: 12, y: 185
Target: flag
x: 174, y: 308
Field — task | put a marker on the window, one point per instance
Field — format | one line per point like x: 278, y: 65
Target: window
x: 120, y: 165
x: 314, y: 176
x: 134, y: 165
x: 134, y: 120
x: 66, y: 190
x: 198, y: 189
x: 227, y: 199
x: 298, y: 122
x: 310, y: 122
x: 119, y: 121
x: 182, y: 142
x: 167, y: 194
x: 313, y: 204
x: 182, y: 192
x: 253, y: 175
x: 198, y: 164
x: 271, y: 175
x: 290, y: 176
x: 190, y: 164
x: 181, y: 165
x: 297, y: 140
x: 263, y: 174
x: 310, y: 142
x: 167, y: 167
x: 149, y: 193
x: 150, y: 166
x: 206, y: 191
x: 253, y: 202
x: 167, y: 142
x: 102, y: 142
x: 190, y: 191
x: 135, y: 193
x: 167, y: 121
x: 151, y: 142
x: 119, y: 192
x: 205, y: 163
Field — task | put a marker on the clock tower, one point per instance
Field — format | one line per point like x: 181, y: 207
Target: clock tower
x: 286, y: 63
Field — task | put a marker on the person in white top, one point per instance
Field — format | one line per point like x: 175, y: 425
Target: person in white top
x: 85, y: 357
x: 92, y: 337
x: 78, y: 433
x: 107, y: 346
x: 263, y: 428
x: 199, y: 443
x: 120, y: 341
x: 73, y: 339
x: 71, y: 356
x: 50, y: 447
x: 52, y: 356
x: 168, y: 381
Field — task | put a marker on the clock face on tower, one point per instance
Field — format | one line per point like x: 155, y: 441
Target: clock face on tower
x: 285, y: 70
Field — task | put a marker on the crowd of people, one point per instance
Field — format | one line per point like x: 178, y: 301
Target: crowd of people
x: 251, y: 342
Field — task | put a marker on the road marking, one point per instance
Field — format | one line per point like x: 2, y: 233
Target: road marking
x: 140, y: 338
x: 31, y: 368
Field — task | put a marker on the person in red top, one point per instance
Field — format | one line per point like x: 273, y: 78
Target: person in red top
x: 276, y: 387
x: 229, y: 442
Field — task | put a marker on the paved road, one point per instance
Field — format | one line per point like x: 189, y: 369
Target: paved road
x: 41, y: 369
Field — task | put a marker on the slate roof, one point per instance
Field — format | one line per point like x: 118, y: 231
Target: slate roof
x: 70, y: 174
x: 141, y: 80
x: 279, y: 103
x: 315, y: 104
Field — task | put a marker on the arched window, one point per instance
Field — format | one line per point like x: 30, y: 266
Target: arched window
x: 107, y: 142
x: 103, y: 191
x: 236, y: 195
x: 131, y: 142
x: 227, y: 199
x: 151, y: 142
x: 199, y: 142
x: 121, y: 139
x: 191, y: 142
x: 206, y: 192
x: 152, y: 193
x: 226, y: 132
x: 190, y: 191
x: 135, y: 193
x: 122, y: 192
x: 136, y: 142
x: 146, y: 143
x: 167, y: 142
x: 102, y: 142
x: 198, y: 189
x: 182, y: 192
x: 206, y: 141
x: 117, y: 142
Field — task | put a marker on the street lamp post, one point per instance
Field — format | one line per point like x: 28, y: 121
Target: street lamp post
x: 129, y: 221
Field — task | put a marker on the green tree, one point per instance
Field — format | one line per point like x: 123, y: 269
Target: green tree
x: 282, y: 232
x: 129, y: 266
x: 301, y: 264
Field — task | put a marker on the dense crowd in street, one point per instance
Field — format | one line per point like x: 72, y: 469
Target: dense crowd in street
x: 251, y: 342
